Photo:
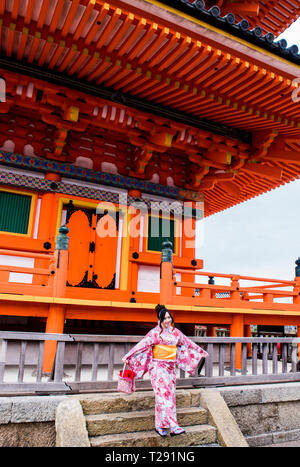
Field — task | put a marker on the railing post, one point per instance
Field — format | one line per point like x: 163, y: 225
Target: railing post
x: 211, y: 281
x: 56, y: 315
x: 267, y: 297
x: 235, y: 295
x: 296, y: 298
x: 166, y: 274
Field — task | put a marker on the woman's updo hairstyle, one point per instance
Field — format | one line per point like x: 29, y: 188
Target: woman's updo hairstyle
x: 161, y: 311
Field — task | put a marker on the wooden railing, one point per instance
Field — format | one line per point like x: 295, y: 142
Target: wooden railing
x: 180, y: 287
x: 46, y: 273
x: 270, y: 290
x: 51, y: 280
x: 89, y: 363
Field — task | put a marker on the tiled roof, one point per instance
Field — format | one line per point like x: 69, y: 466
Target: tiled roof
x: 272, y: 15
x: 238, y: 27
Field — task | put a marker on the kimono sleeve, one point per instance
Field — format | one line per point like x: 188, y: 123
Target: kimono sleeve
x: 189, y: 354
x: 140, y: 355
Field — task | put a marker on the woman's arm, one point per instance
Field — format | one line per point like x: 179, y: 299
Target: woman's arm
x: 184, y: 340
x: 139, y: 357
x: 144, y: 343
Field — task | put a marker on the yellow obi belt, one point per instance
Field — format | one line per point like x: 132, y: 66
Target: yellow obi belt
x: 164, y: 352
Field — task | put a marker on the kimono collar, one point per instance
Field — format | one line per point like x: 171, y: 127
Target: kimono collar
x: 170, y: 329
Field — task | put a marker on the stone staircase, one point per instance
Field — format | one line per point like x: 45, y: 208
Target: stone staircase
x: 115, y: 420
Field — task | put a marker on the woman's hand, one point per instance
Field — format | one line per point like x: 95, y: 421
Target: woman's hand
x: 124, y: 360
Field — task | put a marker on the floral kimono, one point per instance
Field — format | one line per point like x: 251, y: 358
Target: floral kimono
x: 163, y: 372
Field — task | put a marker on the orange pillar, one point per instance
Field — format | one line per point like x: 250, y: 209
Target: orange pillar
x: 134, y: 228
x: 166, y: 274
x: 237, y: 330
x: 188, y: 244
x: 46, y: 231
x: 55, y: 325
x: 248, y: 333
x: 211, y: 331
x: 46, y: 211
x: 56, y: 315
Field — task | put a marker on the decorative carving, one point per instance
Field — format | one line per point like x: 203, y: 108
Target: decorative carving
x: 71, y: 208
x: 92, y: 284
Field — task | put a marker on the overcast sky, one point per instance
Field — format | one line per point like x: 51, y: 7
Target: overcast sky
x: 260, y: 237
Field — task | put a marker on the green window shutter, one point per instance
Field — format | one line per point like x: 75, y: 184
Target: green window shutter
x: 14, y: 212
x: 160, y: 230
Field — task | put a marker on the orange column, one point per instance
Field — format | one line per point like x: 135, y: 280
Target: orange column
x: 45, y: 230
x: 166, y: 275
x: 56, y: 315
x: 55, y: 325
x: 188, y: 243
x: 211, y: 331
x: 247, y: 332
x: 237, y: 330
x: 134, y: 218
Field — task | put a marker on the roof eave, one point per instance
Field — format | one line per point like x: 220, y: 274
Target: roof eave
x: 222, y: 34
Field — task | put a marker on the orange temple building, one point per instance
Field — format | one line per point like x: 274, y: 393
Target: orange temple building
x: 127, y: 122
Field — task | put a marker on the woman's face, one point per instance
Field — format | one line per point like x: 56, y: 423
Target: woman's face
x: 166, y: 321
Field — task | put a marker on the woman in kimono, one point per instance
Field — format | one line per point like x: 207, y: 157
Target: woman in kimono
x: 159, y: 352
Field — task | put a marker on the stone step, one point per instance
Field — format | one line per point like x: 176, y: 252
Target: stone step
x: 195, y: 435
x: 104, y: 424
x: 144, y: 400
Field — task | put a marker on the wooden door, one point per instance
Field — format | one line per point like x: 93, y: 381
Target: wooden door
x: 92, y: 256
x: 105, y: 255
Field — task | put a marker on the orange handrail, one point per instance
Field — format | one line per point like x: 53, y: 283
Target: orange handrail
x: 268, y: 286
x: 26, y: 254
x: 234, y: 276
x: 225, y: 288
x: 42, y: 272
x: 33, y: 288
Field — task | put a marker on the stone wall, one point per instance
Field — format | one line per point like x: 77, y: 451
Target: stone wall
x: 266, y: 414
x: 28, y: 421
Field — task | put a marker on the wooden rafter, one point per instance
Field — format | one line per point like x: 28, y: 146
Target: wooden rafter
x: 113, y: 133
x: 99, y: 43
x: 135, y: 55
